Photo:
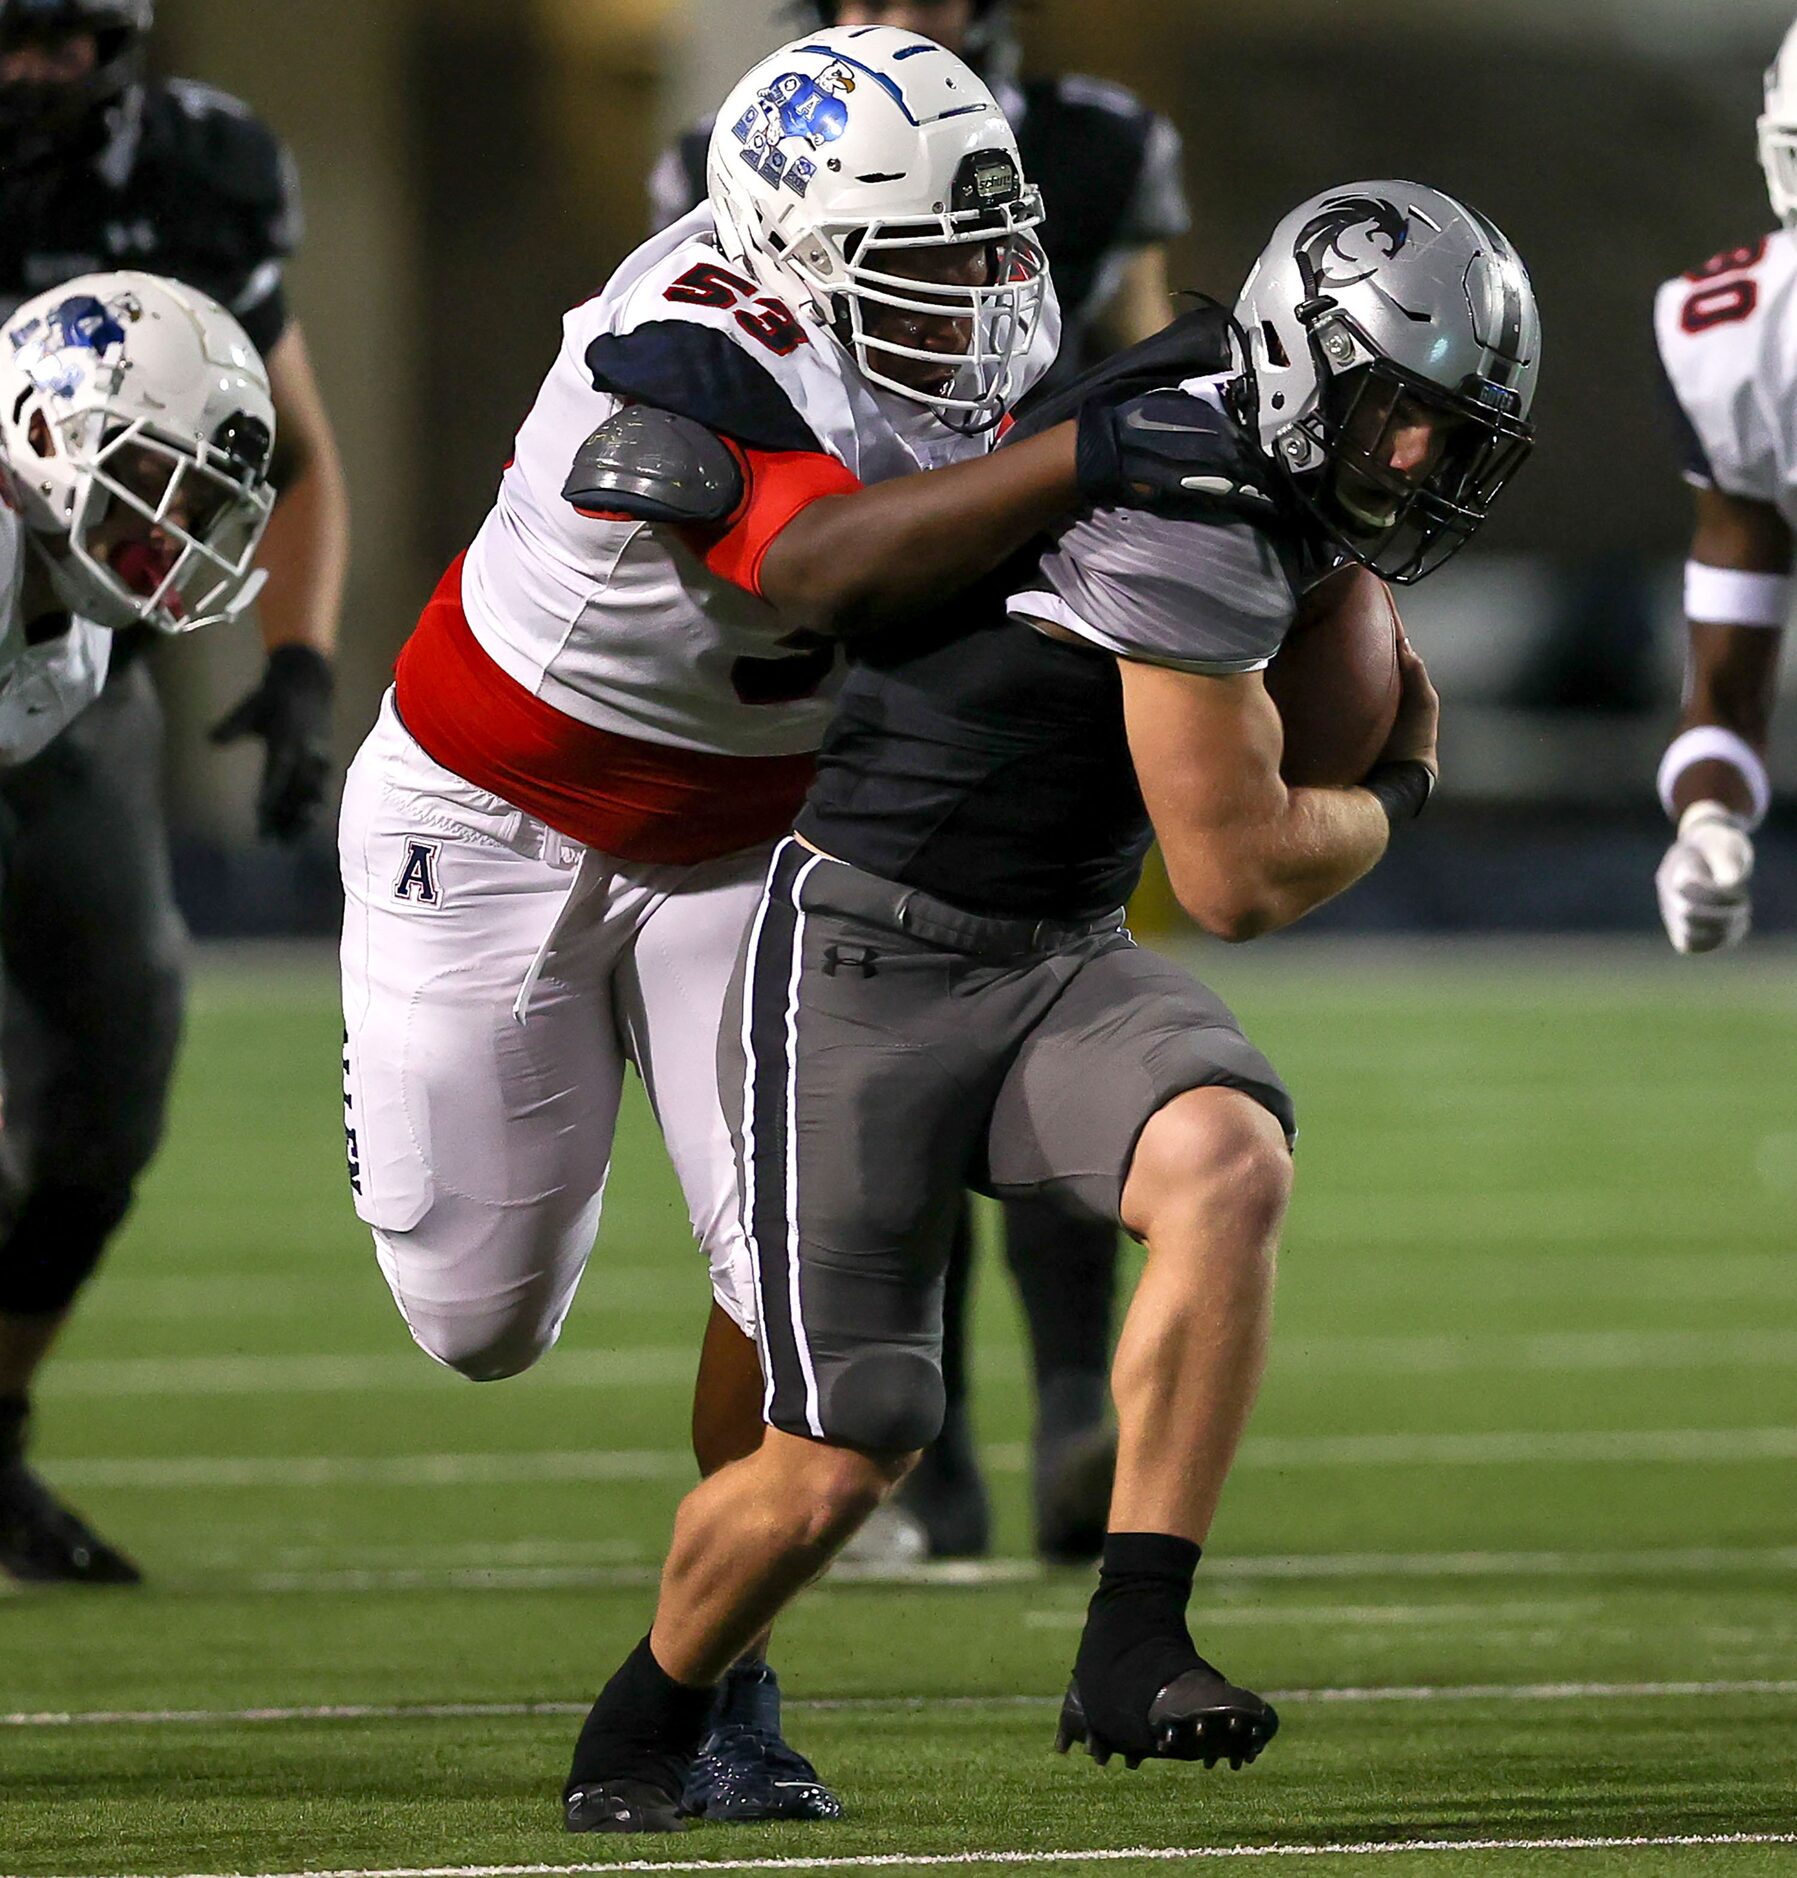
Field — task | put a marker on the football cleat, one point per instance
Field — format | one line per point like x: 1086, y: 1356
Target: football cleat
x: 43, y: 1542
x: 746, y: 1770
x: 1199, y: 1716
x: 622, y: 1806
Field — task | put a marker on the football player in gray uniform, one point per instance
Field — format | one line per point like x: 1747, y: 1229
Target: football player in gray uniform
x: 938, y: 990
x: 1109, y: 171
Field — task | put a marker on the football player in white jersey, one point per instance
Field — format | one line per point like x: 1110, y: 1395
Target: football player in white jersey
x: 135, y: 436
x: 554, y: 837
x: 1727, y: 336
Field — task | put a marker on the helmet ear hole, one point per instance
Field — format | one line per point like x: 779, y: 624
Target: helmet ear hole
x: 37, y: 432
x: 1276, y: 354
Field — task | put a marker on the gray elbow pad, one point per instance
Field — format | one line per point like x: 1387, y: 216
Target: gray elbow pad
x: 656, y: 467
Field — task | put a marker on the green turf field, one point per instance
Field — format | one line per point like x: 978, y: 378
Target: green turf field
x: 1514, y: 1539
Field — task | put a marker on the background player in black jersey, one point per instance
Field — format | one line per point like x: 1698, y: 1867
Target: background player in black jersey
x: 937, y: 988
x: 102, y: 168
x: 1109, y: 170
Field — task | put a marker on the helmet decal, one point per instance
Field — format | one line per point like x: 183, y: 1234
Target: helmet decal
x: 794, y: 108
x: 1351, y: 238
x: 59, y: 352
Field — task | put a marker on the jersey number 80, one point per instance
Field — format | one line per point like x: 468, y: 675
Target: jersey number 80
x: 1719, y: 301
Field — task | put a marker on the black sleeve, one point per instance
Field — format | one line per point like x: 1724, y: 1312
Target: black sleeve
x: 697, y: 372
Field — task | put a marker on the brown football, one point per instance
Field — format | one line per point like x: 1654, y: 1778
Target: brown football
x: 1335, y: 680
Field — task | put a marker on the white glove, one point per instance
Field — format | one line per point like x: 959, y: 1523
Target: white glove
x: 1703, y: 880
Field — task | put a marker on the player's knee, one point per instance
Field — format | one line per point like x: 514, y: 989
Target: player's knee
x: 1212, y: 1153
x: 482, y: 1346
x: 53, y: 1243
x: 885, y: 1401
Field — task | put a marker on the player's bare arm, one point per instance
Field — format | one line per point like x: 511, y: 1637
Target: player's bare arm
x: 1713, y: 777
x: 853, y: 562
x: 1733, y: 671
x: 306, y: 549
x: 1142, y: 304
x: 1246, y: 853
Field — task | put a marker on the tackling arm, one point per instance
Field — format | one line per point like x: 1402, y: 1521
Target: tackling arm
x: 1713, y: 779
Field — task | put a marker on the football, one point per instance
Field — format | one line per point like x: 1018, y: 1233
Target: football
x: 1335, y: 680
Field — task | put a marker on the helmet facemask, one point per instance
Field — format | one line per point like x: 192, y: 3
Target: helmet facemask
x: 885, y: 314
x: 1410, y: 470
x: 163, y: 530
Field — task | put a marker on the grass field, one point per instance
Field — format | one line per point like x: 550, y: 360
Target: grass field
x: 1515, y: 1536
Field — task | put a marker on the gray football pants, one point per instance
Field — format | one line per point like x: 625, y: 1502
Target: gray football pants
x: 881, y: 1051
x: 92, y: 947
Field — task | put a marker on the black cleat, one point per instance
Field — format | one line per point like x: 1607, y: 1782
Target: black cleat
x: 746, y: 1770
x: 43, y: 1542
x: 1199, y: 1716
x: 622, y: 1806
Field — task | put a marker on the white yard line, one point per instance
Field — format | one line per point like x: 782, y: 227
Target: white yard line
x: 890, y: 1861
x: 895, y: 1704
x: 1280, y: 1452
x: 515, y: 1565
x: 405, y: 1372
x: 1349, y: 1616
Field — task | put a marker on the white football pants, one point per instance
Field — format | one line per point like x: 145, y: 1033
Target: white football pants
x: 496, y: 979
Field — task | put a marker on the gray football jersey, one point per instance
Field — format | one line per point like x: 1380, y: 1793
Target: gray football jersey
x: 1211, y: 597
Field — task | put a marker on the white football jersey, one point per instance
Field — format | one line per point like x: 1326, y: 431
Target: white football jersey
x: 622, y: 626
x: 1727, y: 335
x: 43, y: 688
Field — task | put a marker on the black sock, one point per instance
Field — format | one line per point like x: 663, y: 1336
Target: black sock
x: 645, y: 1726
x: 1135, y: 1641
x: 15, y: 1417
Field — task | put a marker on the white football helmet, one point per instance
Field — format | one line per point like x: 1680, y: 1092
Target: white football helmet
x: 849, y: 147
x: 1778, y: 131
x: 130, y: 389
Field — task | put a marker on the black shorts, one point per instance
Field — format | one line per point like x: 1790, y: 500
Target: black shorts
x: 882, y: 1051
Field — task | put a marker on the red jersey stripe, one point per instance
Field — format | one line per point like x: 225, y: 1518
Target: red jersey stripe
x: 641, y: 801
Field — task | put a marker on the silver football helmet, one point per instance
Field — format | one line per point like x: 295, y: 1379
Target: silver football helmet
x: 1393, y: 345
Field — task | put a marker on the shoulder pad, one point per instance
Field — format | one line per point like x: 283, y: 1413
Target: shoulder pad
x: 223, y: 152
x: 657, y: 467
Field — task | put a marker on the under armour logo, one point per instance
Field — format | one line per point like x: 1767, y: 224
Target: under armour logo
x: 860, y: 959
x: 417, y: 880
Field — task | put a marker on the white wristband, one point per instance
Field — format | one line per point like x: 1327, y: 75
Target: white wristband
x: 1724, y: 596
x: 1710, y: 743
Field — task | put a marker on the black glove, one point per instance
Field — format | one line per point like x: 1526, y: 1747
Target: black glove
x: 1168, y: 451
x: 290, y: 710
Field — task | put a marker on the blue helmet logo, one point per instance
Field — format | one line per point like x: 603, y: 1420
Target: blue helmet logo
x: 794, y: 108
x: 59, y: 351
